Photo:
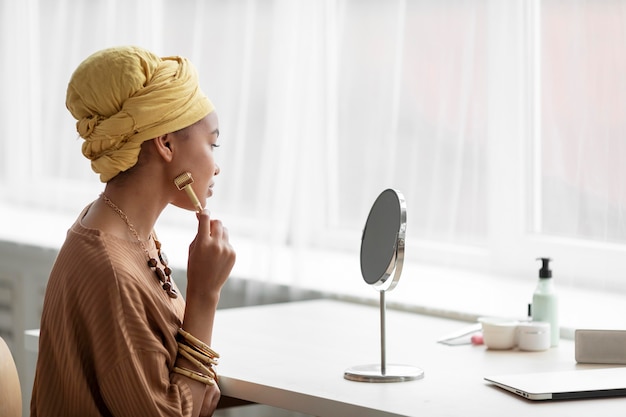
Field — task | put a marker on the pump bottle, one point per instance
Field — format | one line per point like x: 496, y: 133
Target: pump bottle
x: 545, y: 305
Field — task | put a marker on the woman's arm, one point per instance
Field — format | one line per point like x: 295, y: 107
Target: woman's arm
x: 211, y: 259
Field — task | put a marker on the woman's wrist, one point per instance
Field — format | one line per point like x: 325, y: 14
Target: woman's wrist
x: 202, y: 300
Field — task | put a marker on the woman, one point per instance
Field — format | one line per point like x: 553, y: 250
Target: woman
x: 116, y: 338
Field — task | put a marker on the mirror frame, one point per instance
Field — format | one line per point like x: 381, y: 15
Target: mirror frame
x: 397, y: 258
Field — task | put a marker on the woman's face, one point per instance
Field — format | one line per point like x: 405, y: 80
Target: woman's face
x: 195, y: 147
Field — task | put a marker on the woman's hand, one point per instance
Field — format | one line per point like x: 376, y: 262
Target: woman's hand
x: 211, y: 258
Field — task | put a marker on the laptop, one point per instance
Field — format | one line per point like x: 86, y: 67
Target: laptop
x: 565, y: 385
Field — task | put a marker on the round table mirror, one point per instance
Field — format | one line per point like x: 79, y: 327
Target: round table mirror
x: 382, y: 244
x: 382, y: 255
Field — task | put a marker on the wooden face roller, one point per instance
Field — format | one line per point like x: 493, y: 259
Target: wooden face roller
x: 183, y: 182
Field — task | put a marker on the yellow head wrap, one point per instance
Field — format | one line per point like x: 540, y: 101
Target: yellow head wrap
x: 124, y: 96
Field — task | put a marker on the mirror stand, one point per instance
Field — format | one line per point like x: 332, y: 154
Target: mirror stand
x: 383, y: 372
x: 382, y: 254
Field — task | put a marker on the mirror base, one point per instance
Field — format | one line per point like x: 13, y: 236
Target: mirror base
x: 393, y: 373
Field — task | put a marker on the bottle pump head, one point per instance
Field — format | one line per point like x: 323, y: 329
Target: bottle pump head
x: 545, y: 271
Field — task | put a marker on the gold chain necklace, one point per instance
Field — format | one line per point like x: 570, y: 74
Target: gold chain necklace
x: 164, y: 275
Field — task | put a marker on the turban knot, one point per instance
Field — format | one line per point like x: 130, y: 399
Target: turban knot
x: 86, y: 125
x: 124, y: 96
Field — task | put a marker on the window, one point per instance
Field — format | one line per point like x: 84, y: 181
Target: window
x: 501, y: 122
x: 582, y: 125
x: 579, y: 187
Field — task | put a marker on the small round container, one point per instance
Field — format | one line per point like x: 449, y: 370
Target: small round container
x: 533, y: 336
x: 499, y: 333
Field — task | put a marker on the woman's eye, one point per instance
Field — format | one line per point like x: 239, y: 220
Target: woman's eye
x: 215, y: 145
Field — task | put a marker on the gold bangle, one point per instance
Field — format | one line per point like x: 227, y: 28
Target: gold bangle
x: 197, y: 343
x: 193, y: 360
x: 196, y: 376
x: 202, y: 357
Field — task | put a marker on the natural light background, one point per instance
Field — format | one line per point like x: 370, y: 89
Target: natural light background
x: 502, y: 122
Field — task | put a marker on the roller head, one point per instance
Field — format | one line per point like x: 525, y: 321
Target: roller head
x: 183, y: 180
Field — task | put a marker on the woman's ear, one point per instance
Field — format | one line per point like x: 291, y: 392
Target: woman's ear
x: 163, y: 146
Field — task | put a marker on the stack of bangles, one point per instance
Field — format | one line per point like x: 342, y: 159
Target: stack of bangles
x: 201, y: 355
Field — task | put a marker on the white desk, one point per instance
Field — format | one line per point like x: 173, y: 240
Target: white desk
x: 293, y: 356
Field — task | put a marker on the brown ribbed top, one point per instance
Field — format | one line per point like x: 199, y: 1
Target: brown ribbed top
x: 107, y: 343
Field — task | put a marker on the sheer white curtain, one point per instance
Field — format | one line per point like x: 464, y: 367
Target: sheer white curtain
x: 579, y: 192
x: 412, y: 114
x: 583, y: 123
x: 323, y: 104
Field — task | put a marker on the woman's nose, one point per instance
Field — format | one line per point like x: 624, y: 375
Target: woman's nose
x: 217, y: 169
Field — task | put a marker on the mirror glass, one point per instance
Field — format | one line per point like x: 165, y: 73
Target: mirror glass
x: 382, y: 243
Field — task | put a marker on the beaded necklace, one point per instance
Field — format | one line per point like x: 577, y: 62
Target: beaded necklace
x: 164, y: 275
